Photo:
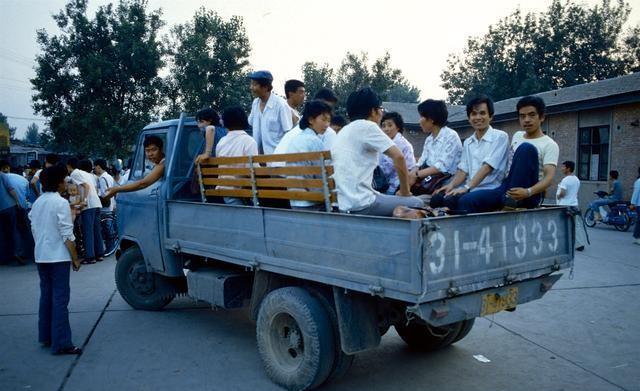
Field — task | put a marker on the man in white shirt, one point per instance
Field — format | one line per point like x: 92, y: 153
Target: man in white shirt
x: 270, y: 116
x: 91, y: 234
x: 567, y: 195
x: 482, y: 166
x: 55, y: 252
x: 355, y: 155
x: 105, y: 182
x: 294, y: 92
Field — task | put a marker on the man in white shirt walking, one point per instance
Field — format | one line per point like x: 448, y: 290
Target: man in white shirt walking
x: 55, y: 253
x: 270, y: 116
x: 567, y: 195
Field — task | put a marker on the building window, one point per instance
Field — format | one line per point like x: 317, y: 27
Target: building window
x: 593, y: 153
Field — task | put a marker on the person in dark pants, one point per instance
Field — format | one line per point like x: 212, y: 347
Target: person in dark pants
x: 9, y: 208
x: 55, y: 254
x: 635, y: 200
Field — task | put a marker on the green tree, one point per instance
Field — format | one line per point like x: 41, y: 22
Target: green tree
x: 209, y: 63
x: 354, y: 72
x: 522, y: 54
x: 97, y: 81
x: 12, y: 129
x: 32, y: 136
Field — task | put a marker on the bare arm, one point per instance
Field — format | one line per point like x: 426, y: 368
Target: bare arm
x: 153, y: 177
x: 34, y: 185
x: 71, y: 246
x: 209, y: 136
x: 401, y: 168
x: 456, y: 181
x: 562, y: 193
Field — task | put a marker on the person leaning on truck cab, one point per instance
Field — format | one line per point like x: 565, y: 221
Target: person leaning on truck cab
x: 355, y: 155
x: 153, y: 152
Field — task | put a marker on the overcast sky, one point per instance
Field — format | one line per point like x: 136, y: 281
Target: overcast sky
x: 283, y: 35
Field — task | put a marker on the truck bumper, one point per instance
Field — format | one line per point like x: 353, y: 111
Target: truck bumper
x: 486, y: 302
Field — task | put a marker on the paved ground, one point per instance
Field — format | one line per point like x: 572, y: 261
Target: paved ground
x: 583, y: 335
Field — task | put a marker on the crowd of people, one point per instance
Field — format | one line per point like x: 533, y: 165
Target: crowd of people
x: 375, y: 171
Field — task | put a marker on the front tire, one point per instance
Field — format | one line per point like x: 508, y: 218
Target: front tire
x: 424, y: 337
x: 295, y: 339
x: 627, y: 223
x: 137, y: 286
x: 590, y: 218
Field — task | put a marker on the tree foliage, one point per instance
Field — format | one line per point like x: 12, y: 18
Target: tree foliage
x: 522, y: 54
x: 354, y: 72
x: 97, y: 81
x: 32, y: 136
x: 209, y: 63
x: 12, y: 129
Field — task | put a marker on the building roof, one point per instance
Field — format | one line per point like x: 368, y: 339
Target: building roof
x: 603, y: 93
x: 409, y: 111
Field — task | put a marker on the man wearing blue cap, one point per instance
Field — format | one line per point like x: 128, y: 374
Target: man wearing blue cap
x: 270, y: 115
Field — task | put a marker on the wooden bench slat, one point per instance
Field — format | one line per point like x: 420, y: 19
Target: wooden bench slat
x: 277, y: 194
x: 285, y: 157
x: 243, y: 193
x: 267, y: 171
x: 241, y: 182
x: 239, y: 171
x: 268, y: 182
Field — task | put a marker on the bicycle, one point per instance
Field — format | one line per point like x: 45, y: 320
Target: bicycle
x: 109, y: 228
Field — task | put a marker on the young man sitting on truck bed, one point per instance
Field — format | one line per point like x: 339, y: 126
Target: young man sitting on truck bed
x: 355, y: 156
x: 153, y: 152
x: 533, y: 164
x: 483, y: 164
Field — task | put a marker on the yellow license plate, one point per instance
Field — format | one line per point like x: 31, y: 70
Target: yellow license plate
x: 496, y: 302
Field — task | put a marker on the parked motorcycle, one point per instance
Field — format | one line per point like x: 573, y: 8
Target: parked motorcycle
x: 621, y: 214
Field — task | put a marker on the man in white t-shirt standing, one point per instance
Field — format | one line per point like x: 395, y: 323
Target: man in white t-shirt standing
x: 567, y: 195
x: 355, y: 155
x: 93, y: 246
x: 294, y: 92
x: 270, y: 116
x: 105, y: 182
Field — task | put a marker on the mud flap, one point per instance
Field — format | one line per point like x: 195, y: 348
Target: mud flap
x: 357, y: 320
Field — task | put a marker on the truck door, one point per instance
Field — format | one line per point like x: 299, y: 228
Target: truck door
x: 144, y: 223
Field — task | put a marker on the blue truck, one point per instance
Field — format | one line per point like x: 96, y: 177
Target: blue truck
x: 324, y: 286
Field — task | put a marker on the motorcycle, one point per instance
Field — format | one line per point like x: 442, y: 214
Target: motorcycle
x: 621, y: 214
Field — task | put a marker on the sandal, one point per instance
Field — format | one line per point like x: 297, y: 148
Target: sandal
x: 99, y: 259
x: 88, y: 261
x: 70, y: 350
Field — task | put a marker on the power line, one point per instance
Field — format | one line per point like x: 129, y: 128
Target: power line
x: 14, y: 80
x: 27, y: 118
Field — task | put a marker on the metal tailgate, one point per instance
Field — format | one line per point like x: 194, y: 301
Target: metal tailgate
x: 469, y: 253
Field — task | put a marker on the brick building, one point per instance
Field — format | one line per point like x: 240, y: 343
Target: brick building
x: 597, y: 125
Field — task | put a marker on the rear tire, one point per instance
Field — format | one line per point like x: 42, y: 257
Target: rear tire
x: 467, y: 325
x: 590, y: 218
x: 137, y: 286
x: 295, y: 339
x: 627, y: 223
x: 424, y: 337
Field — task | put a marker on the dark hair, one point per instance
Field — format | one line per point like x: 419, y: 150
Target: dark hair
x: 264, y: 83
x: 313, y: 109
x: 51, y: 158
x: 209, y: 115
x: 152, y: 140
x: 396, y: 118
x: 614, y: 174
x: 326, y: 95
x: 72, y: 162
x: 35, y: 164
x: 361, y: 102
x: 435, y: 110
x: 85, y: 165
x: 4, y: 163
x: 291, y: 86
x: 570, y: 165
x: 235, y: 118
x: 338, y: 120
x: 102, y: 163
x: 51, y: 177
x: 534, y: 101
x: 478, y: 100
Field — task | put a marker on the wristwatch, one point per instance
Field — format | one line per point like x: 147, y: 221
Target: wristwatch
x: 467, y: 187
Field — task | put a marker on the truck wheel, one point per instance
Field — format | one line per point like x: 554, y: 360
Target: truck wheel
x: 343, y: 361
x: 295, y: 339
x: 424, y: 337
x: 467, y: 325
x: 136, y: 285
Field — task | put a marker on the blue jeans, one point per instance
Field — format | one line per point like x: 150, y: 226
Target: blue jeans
x: 91, y: 233
x: 53, y: 316
x: 523, y: 173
